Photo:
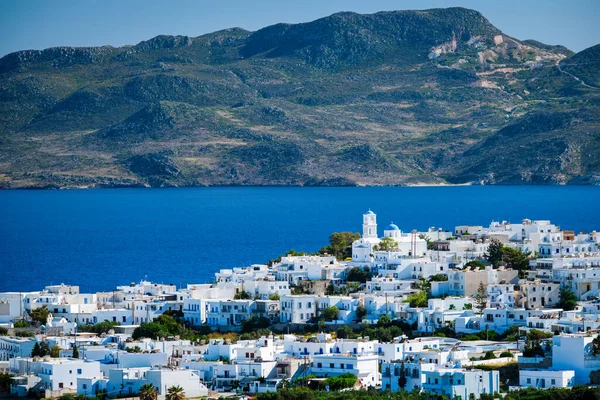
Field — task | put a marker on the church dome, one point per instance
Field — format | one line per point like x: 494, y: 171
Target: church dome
x: 392, y: 227
x: 369, y: 212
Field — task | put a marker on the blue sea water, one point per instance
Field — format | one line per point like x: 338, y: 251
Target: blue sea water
x: 99, y: 239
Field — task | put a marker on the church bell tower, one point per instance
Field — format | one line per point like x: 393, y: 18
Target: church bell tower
x: 369, y: 225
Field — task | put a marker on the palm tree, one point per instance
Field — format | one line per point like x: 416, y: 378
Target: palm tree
x: 175, y: 393
x: 147, y: 392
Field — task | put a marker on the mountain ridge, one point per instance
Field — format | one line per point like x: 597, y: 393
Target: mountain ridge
x: 391, y: 98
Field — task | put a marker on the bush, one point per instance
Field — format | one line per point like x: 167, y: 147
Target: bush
x: 24, y: 334
x: 361, y: 312
x: 21, y: 324
x: 345, y: 332
x: 255, y: 323
x: 475, y: 264
x: 418, y: 299
x: 356, y: 274
x: 241, y: 296
x: 330, y: 313
x: 99, y: 328
x: 489, y: 355
x: 438, y: 278
x: 3, y: 331
x: 506, y: 354
x: 343, y: 381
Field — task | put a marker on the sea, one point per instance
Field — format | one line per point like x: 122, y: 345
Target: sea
x: 101, y: 238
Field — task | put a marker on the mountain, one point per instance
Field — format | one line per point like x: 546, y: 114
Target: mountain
x: 403, y: 97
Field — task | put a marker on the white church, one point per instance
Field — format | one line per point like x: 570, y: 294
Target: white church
x: 364, y: 250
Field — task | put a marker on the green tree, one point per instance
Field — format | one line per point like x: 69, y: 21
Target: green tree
x: 330, y: 313
x: 475, y: 264
x: 99, y: 328
x: 175, y: 393
x: 480, y: 298
x: 567, y: 300
x: 361, y: 312
x: 468, y: 306
x: 340, y: 382
x: 274, y: 297
x: 5, y: 381
x: 384, y: 320
x: 356, y: 274
x: 3, y: 331
x: 418, y: 299
x: 533, y: 343
x: 135, y: 349
x: 241, y: 295
x: 40, y: 314
x: 255, y: 323
x: 340, y: 244
x: 148, y: 392
x: 494, y: 252
x: 36, y: 351
x: 386, y: 244
x: 402, y: 379
x: 438, y: 278
x: 345, y: 332
x: 55, y: 352
x: 75, y: 351
x: 596, y: 345
x: 150, y: 330
x: 515, y: 258
x: 44, y: 349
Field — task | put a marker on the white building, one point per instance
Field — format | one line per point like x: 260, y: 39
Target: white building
x: 455, y: 382
x: 546, y: 378
x: 62, y: 373
x: 365, y: 367
x: 130, y: 380
x: 300, y: 309
x: 574, y: 352
x: 12, y: 346
x: 414, y: 372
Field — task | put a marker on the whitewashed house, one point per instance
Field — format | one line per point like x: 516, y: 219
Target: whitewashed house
x: 546, y: 378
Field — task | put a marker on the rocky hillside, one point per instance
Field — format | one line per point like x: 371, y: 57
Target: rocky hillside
x: 404, y: 97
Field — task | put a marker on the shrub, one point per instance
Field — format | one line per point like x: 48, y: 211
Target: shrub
x: 24, y: 334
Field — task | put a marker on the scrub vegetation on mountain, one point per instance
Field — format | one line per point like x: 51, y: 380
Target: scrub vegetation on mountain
x: 393, y: 98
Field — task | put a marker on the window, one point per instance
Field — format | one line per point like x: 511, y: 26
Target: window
x: 553, y: 381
